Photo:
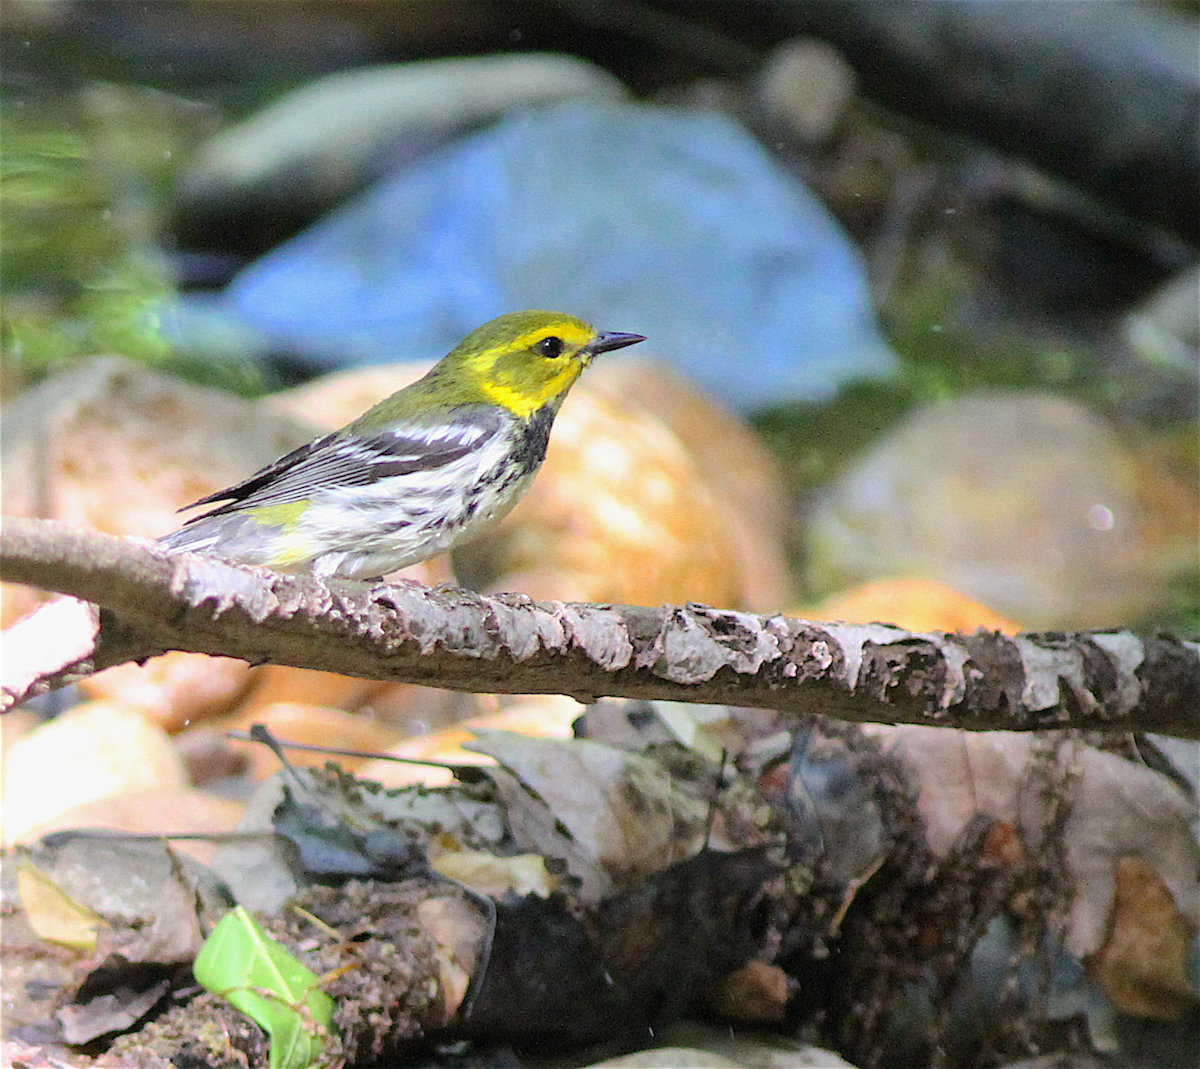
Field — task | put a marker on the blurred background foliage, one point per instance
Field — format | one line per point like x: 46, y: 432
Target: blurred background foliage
x: 969, y: 254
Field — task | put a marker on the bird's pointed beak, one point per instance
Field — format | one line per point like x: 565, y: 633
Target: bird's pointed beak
x: 606, y: 341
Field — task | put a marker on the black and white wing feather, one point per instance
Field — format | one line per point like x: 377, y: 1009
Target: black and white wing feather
x: 342, y: 461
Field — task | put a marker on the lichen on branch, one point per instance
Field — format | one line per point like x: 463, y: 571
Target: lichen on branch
x: 447, y: 637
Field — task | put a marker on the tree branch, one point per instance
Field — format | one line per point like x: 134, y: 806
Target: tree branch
x: 451, y: 638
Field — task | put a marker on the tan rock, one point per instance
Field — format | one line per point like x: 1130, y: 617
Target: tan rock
x: 313, y: 725
x: 619, y: 508
x: 112, y: 431
x: 1028, y: 502
x: 93, y: 751
x: 180, y: 810
x: 176, y: 689
x: 113, y: 446
x: 670, y: 1058
x: 807, y: 85
x: 696, y: 1046
x: 316, y: 146
x: 731, y: 458
x: 542, y: 715
x: 1143, y: 962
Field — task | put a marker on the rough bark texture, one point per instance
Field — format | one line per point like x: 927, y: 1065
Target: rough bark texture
x: 459, y: 640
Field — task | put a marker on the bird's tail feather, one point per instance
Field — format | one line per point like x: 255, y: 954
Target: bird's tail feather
x: 237, y: 537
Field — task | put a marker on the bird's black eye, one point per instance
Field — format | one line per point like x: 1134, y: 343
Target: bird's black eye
x: 550, y: 347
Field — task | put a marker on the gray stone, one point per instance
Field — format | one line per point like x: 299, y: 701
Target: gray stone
x: 318, y: 144
x: 1026, y: 502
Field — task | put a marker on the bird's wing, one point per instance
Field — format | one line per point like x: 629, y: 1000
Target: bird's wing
x: 339, y: 460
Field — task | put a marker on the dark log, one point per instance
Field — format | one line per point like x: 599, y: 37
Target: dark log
x: 1105, y: 95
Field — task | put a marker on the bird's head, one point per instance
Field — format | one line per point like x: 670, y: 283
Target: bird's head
x: 527, y: 360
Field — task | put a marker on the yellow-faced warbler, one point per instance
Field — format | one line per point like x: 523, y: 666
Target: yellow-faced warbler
x: 423, y: 469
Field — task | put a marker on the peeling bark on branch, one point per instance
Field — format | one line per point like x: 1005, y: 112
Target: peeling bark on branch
x: 507, y: 643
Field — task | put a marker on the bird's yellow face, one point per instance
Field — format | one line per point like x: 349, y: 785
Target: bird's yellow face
x: 522, y: 362
x: 531, y: 362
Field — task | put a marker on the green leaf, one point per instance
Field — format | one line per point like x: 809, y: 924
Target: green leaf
x: 246, y: 967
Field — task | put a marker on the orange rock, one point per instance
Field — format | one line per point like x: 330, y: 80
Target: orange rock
x: 180, y: 810
x: 622, y: 510
x: 314, y: 725
x: 914, y: 604
x: 757, y: 991
x: 650, y: 493
x: 176, y: 689
x: 731, y: 458
x: 1143, y: 963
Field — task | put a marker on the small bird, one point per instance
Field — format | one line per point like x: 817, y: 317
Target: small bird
x: 427, y: 467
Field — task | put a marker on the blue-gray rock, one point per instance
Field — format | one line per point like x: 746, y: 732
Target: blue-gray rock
x: 674, y: 224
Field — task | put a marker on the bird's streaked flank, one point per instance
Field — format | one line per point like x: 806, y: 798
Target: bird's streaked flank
x: 427, y: 467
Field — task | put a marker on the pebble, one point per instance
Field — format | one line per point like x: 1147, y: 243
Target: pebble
x: 807, y: 84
